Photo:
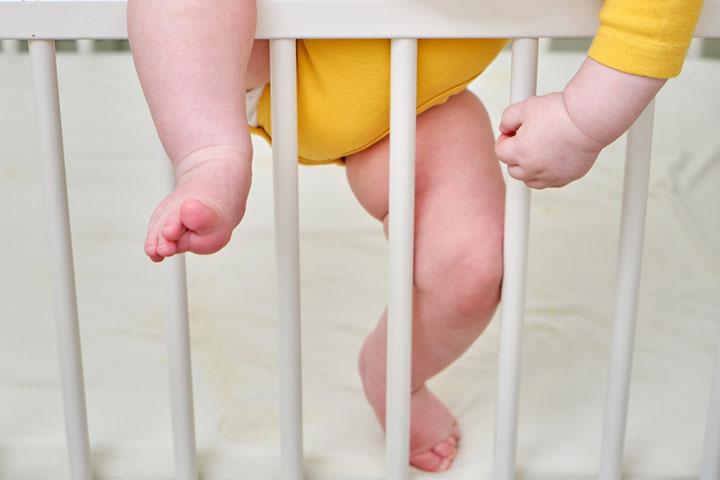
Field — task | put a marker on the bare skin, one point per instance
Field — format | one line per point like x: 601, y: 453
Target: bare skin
x: 552, y: 140
x: 193, y: 68
x: 195, y: 65
x: 458, y: 260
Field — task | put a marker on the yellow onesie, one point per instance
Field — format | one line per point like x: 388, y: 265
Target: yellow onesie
x: 344, y: 85
x: 344, y: 90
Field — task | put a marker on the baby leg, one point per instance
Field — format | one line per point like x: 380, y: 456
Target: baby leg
x: 458, y: 260
x: 192, y: 61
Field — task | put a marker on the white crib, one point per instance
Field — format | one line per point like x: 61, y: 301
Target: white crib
x: 42, y: 22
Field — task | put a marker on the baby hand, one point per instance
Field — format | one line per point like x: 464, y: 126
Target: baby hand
x: 542, y: 145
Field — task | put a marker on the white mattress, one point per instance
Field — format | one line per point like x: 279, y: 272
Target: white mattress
x: 115, y: 179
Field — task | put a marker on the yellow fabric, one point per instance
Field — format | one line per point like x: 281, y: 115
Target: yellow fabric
x: 645, y: 37
x: 344, y: 90
x: 344, y: 85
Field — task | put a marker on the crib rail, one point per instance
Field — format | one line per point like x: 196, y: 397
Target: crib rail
x: 105, y: 19
x: 177, y: 332
x: 43, y: 22
x: 285, y: 186
x: 515, y: 250
x: 403, y: 81
x: 52, y: 157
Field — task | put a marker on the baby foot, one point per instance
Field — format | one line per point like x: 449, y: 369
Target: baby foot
x: 212, y: 185
x: 434, y: 434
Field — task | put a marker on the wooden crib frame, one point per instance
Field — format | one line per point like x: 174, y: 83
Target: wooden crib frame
x: 403, y: 21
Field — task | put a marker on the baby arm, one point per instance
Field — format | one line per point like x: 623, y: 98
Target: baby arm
x: 551, y: 140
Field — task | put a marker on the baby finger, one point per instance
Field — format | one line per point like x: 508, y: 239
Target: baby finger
x: 537, y: 184
x: 516, y: 172
x: 505, y: 150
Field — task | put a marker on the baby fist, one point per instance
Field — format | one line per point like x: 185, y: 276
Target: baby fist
x: 542, y: 145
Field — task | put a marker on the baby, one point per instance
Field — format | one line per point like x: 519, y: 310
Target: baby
x: 196, y: 62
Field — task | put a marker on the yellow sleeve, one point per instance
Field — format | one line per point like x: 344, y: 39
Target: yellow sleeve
x: 645, y: 37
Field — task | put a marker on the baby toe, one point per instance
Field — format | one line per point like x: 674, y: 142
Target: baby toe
x: 183, y: 243
x: 173, y: 229
x: 155, y: 257
x: 165, y: 247
x: 151, y: 248
x: 430, y: 462
x: 446, y: 449
x: 199, y: 217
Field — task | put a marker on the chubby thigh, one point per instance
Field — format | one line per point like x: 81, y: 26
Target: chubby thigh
x: 344, y: 89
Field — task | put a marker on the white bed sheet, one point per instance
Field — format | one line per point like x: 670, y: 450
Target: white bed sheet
x: 115, y: 179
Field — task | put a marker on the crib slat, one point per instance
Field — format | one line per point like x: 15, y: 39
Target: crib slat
x: 49, y: 130
x: 285, y: 169
x: 403, y: 80
x: 177, y: 332
x: 711, y: 456
x: 632, y: 230
x: 517, y: 219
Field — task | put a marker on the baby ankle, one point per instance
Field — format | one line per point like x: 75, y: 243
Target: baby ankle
x: 241, y: 154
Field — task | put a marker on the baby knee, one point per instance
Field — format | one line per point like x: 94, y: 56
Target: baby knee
x: 474, y: 283
x: 469, y: 276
